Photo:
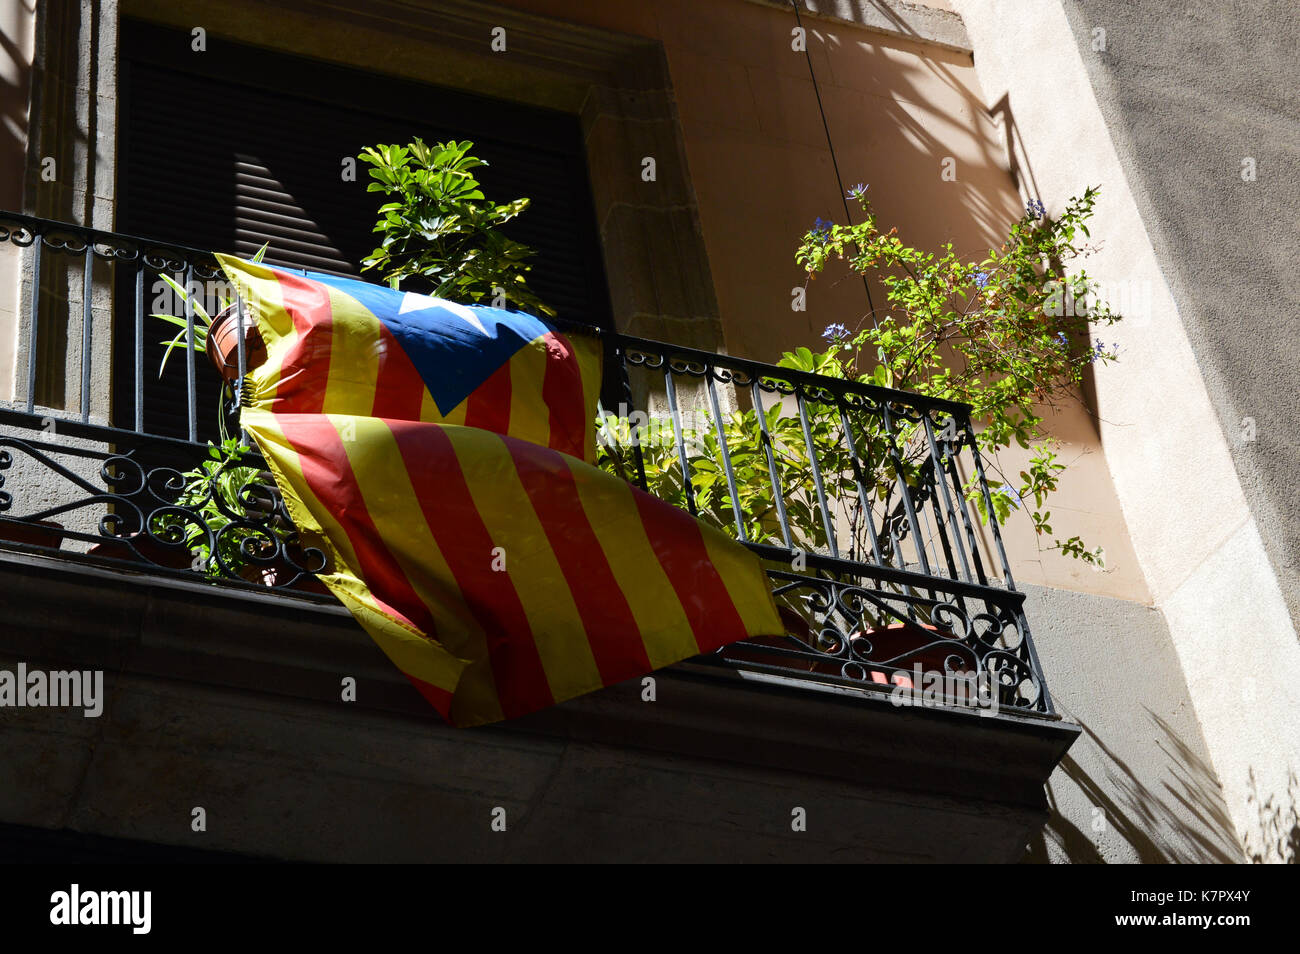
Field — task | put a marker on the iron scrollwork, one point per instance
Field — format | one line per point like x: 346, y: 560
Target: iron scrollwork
x: 862, y: 633
x: 158, y: 515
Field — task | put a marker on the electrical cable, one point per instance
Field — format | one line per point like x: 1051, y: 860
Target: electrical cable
x: 831, y: 146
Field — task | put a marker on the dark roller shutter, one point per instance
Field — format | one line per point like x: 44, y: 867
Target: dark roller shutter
x: 237, y: 146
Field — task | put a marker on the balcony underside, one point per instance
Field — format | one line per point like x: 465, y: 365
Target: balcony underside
x: 231, y: 700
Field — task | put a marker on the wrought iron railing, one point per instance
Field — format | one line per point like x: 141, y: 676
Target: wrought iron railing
x: 869, y: 507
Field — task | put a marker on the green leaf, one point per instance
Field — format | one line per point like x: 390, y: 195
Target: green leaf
x: 172, y: 319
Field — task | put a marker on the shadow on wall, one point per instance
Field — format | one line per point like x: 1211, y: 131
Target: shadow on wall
x: 1017, y: 155
x: 974, y: 209
x: 1184, y: 821
x: 13, y: 107
x: 901, y: 119
x: 1278, y: 838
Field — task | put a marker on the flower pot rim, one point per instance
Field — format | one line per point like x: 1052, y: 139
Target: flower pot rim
x: 254, y: 347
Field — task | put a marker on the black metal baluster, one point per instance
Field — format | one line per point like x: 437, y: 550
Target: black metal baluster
x: 901, y: 563
x: 726, y: 459
x: 87, y: 320
x: 827, y: 523
x: 242, y: 364
x: 864, y: 499
x: 940, y: 486
x: 615, y: 353
x: 967, y: 522
x: 937, y: 531
x: 241, y: 361
x: 138, y: 343
x: 903, y: 489
x: 605, y: 435
x: 192, y: 404
x: 671, y: 388
x: 777, y: 496
x: 988, y: 502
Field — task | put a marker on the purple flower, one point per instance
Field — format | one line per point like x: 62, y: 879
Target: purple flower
x: 1034, y: 209
x: 1100, y: 352
x: 1063, y: 340
x: 981, y: 279
x: 821, y: 230
x: 857, y: 191
x: 835, y: 332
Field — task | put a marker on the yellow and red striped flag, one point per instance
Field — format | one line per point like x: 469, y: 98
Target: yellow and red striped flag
x: 441, y: 456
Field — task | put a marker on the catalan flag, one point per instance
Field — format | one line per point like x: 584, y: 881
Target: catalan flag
x: 441, y: 456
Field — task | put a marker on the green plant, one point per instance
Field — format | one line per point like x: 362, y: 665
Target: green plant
x: 442, y: 227
x: 199, y: 341
x: 221, y: 491
x: 202, y: 320
x: 709, y: 490
x: 995, y: 334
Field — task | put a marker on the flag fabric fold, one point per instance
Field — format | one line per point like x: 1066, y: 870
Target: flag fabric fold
x: 441, y: 456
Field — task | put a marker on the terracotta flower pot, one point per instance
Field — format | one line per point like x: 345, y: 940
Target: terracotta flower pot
x: 898, y: 639
x: 42, y: 533
x: 223, y: 343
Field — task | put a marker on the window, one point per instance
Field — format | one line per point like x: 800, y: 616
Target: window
x: 237, y: 146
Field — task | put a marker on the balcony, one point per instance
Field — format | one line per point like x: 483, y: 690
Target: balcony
x: 868, y: 507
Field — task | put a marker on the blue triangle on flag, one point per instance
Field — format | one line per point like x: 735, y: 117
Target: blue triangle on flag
x: 454, y: 348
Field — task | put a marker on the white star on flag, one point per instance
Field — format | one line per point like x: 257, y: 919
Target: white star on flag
x: 411, y: 301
